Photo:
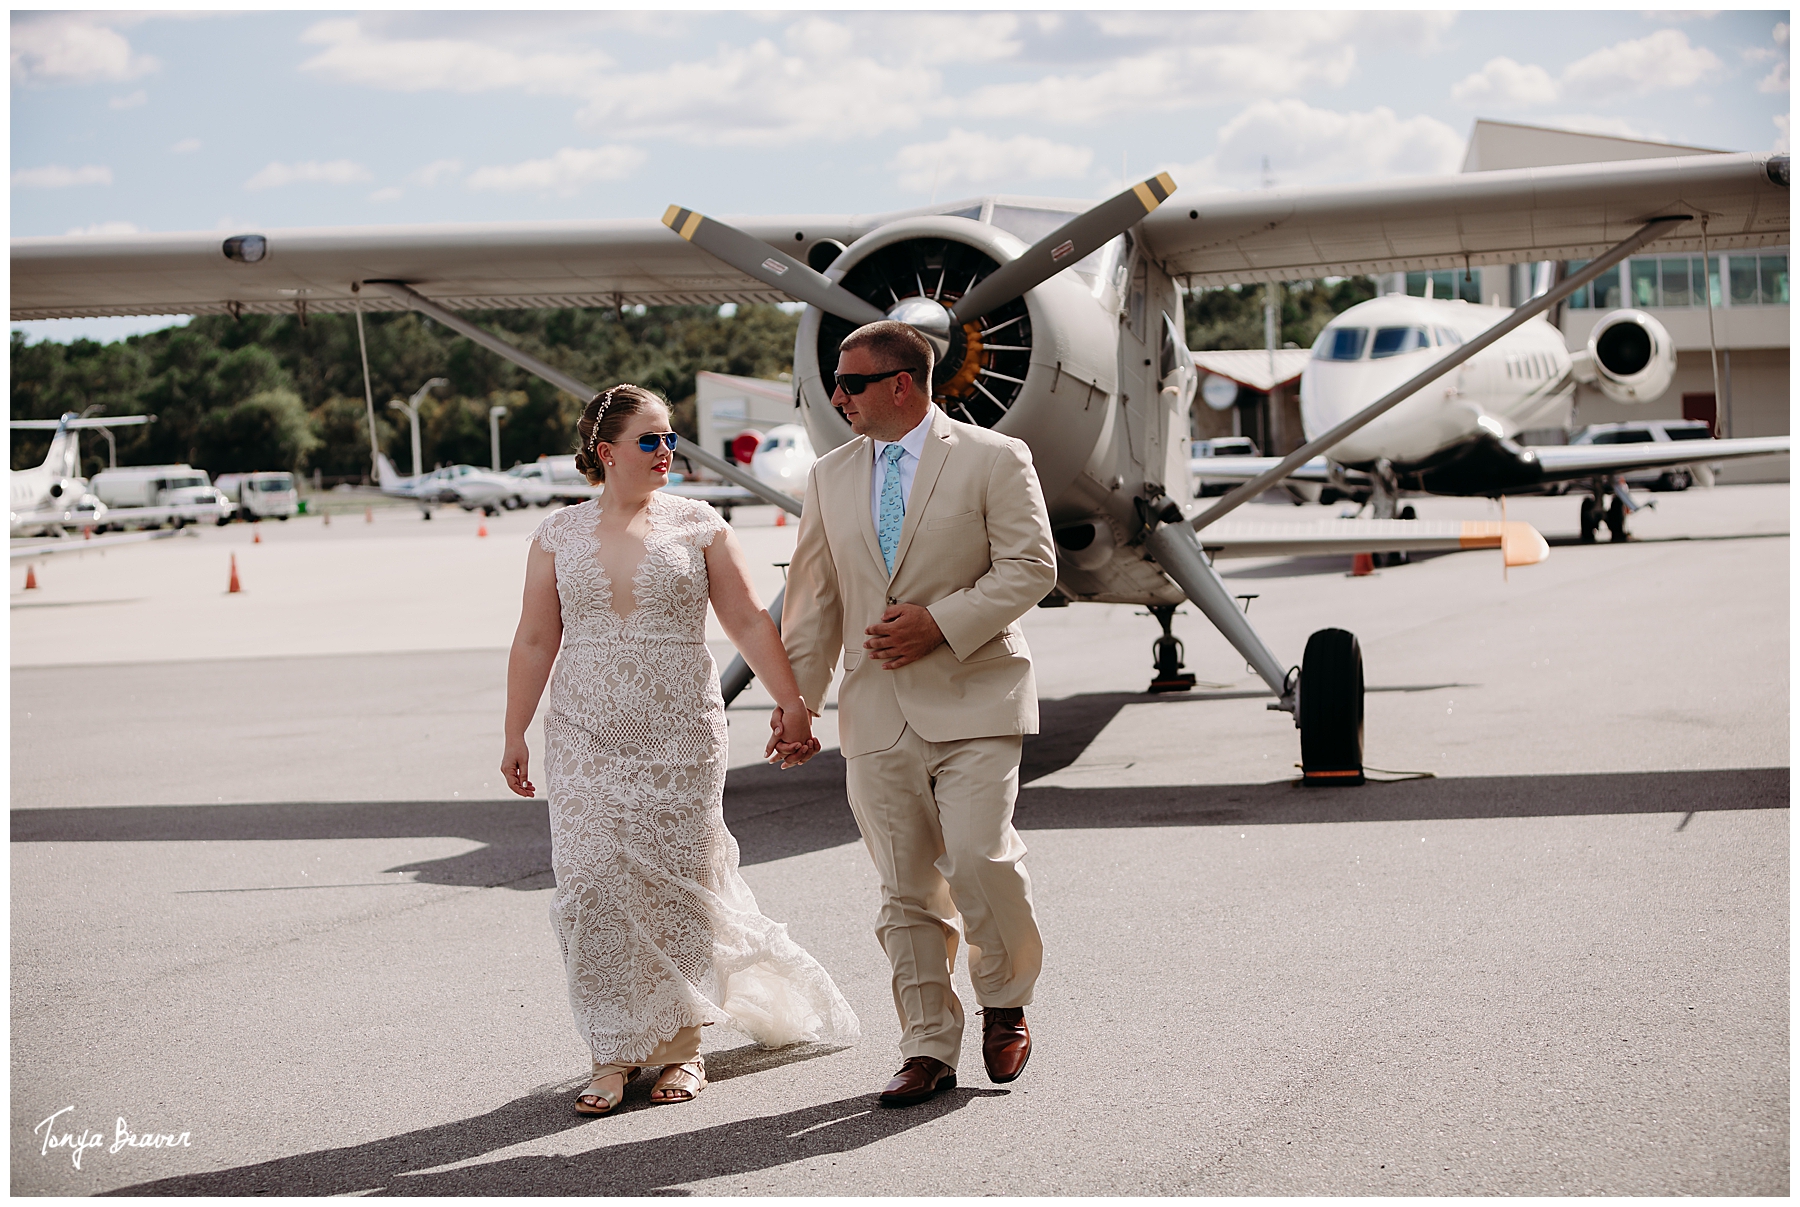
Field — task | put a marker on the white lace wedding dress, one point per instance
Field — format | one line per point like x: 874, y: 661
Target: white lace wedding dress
x: 658, y: 930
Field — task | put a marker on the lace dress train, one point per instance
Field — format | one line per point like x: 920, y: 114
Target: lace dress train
x: 657, y: 928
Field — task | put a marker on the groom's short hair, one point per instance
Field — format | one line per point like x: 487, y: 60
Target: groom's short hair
x: 898, y: 346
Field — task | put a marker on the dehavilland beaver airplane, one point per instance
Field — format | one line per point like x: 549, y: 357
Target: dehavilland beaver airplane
x: 1055, y: 322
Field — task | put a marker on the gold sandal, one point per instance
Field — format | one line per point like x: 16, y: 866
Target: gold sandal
x: 681, y: 1083
x: 596, y: 1101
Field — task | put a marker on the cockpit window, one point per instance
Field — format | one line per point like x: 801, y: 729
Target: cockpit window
x: 1447, y: 338
x: 1396, y: 341
x: 1341, y: 343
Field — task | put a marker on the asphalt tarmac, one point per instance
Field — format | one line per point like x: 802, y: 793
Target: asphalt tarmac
x: 270, y: 899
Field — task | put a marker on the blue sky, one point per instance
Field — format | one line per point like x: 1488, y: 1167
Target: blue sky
x: 154, y: 122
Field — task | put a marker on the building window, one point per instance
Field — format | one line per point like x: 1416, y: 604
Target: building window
x: 1446, y: 284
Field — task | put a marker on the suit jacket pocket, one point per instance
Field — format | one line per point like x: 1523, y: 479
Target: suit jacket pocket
x: 852, y: 659
x: 952, y: 521
x: 1005, y: 643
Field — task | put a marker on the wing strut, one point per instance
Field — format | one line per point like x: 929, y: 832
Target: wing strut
x: 1654, y: 229
x: 580, y: 389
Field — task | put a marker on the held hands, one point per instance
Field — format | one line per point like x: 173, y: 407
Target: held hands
x: 515, y: 763
x: 790, y: 741
x: 905, y: 634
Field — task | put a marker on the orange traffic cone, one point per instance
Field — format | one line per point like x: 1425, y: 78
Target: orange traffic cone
x: 256, y: 535
x: 781, y: 519
x: 482, y: 531
x: 1361, y: 564
x: 234, y: 588
x: 30, y: 577
x: 327, y: 519
x: 368, y: 515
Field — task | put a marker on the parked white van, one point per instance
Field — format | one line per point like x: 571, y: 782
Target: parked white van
x: 149, y: 496
x: 269, y: 494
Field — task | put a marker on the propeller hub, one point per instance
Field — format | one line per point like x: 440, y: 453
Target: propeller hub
x: 928, y: 318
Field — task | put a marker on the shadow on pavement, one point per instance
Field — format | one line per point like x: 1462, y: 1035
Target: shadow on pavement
x: 777, y: 814
x: 398, y: 1165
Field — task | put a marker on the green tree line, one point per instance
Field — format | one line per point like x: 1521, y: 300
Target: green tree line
x: 265, y: 392
x: 1231, y: 316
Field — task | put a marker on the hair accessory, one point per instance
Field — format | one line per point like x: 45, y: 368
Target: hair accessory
x: 593, y: 442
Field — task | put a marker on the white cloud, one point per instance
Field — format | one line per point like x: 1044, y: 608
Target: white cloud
x: 278, y: 175
x: 106, y: 228
x: 1776, y: 80
x: 1665, y: 59
x: 129, y: 101
x: 981, y: 160
x: 388, y: 194
x: 72, y: 48
x: 55, y: 176
x: 1321, y: 146
x: 1504, y: 84
x: 758, y: 95
x: 356, y: 56
x: 1781, y: 33
x: 186, y: 146
x: 563, y: 173
x: 1781, y: 132
x: 436, y: 171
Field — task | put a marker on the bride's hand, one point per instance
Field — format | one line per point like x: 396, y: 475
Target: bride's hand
x: 515, y: 764
x: 790, y: 741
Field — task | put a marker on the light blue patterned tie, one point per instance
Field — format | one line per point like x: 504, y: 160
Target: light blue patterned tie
x: 893, y: 506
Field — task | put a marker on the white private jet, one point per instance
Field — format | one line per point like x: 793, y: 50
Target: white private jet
x: 1055, y: 321
x: 1458, y: 436
x: 53, y: 498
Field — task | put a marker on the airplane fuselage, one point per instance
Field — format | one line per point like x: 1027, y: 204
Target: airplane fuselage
x: 1524, y: 380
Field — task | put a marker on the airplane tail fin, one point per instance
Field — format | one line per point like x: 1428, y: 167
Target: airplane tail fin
x: 64, y: 459
x: 385, y: 477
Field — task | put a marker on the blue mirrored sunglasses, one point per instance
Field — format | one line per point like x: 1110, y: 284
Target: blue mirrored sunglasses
x: 649, y: 440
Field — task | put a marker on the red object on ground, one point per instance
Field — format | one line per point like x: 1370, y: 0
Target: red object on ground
x: 234, y: 588
x: 31, y: 578
x: 1361, y: 564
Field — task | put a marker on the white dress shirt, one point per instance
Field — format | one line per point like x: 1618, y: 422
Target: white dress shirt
x: 914, y: 444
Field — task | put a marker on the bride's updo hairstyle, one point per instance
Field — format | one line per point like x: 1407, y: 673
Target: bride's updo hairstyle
x: 603, y: 421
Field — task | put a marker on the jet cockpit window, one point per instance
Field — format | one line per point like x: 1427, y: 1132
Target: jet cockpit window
x: 1341, y: 343
x: 1397, y: 341
x: 1626, y: 436
x: 1447, y: 338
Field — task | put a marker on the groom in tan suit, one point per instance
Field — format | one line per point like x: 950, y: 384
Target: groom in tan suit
x: 921, y: 545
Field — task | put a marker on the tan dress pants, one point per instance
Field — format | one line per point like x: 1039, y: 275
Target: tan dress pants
x: 937, y: 820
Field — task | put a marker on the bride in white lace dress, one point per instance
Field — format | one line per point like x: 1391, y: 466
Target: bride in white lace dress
x: 659, y: 933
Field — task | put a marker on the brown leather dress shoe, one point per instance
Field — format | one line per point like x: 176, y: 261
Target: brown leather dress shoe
x: 918, y: 1079
x: 1005, y: 1042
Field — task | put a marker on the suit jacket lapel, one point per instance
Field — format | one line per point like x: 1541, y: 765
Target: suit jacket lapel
x: 862, y: 481
x: 931, y: 464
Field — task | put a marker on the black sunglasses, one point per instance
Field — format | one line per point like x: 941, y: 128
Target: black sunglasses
x: 649, y: 440
x: 855, y: 383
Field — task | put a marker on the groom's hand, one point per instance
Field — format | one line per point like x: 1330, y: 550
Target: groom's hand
x: 905, y: 633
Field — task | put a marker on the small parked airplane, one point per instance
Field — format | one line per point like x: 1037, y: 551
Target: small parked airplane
x: 53, y: 498
x: 1457, y: 437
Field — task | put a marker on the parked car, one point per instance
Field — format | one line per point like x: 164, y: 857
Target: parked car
x: 269, y: 494
x: 1649, y: 431
x: 150, y: 496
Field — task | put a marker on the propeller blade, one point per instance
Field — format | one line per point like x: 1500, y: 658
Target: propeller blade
x: 1063, y: 246
x: 748, y: 254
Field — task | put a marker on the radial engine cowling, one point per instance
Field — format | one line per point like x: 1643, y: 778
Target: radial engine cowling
x: 1041, y: 368
x: 1629, y: 357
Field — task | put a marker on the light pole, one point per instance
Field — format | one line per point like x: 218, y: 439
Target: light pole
x: 411, y: 407
x: 494, y: 414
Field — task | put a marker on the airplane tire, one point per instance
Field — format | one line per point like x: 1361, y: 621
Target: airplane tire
x: 1615, y: 520
x: 1331, y: 710
x: 1590, y: 519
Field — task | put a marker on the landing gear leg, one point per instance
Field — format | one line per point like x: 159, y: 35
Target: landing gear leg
x: 1590, y: 519
x: 1168, y: 648
x: 1385, y: 505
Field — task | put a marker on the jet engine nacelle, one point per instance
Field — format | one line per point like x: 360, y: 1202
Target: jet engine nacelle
x: 1042, y: 368
x: 1629, y: 357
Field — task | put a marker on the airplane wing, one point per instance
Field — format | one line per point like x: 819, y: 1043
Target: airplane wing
x: 37, y: 549
x: 1570, y: 212
x: 714, y: 492
x: 1242, y: 469
x: 1282, y: 234
x: 1565, y: 461
x: 1520, y: 544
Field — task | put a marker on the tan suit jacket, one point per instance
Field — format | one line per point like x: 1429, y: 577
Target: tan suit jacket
x: 975, y: 550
